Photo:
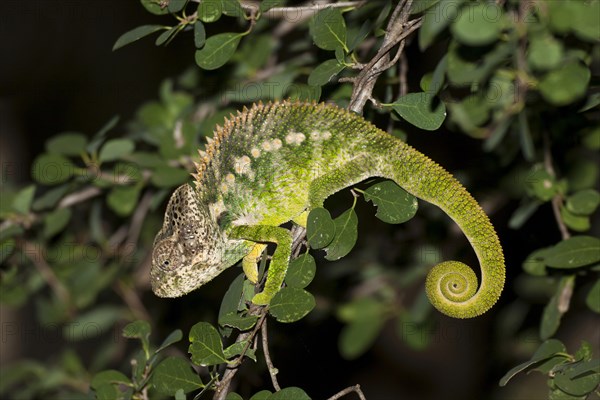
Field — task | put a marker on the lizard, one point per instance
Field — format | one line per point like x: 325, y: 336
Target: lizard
x: 273, y: 163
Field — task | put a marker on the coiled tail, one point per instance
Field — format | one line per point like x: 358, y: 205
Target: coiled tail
x: 451, y: 286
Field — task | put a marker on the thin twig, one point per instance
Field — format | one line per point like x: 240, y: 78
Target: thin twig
x: 222, y: 387
x: 35, y: 254
x: 265, y: 344
x: 355, y: 388
x: 557, y: 200
x: 398, y: 29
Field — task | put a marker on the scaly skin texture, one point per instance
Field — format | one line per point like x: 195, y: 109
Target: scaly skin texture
x: 274, y: 163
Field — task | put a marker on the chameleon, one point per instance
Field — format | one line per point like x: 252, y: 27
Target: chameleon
x: 275, y: 162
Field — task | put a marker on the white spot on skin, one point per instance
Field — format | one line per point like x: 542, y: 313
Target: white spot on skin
x: 266, y: 145
x: 230, y: 179
x: 295, y: 138
x: 242, y: 166
x: 276, y: 144
x: 316, y: 135
x: 255, y: 152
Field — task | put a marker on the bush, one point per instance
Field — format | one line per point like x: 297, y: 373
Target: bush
x: 518, y: 80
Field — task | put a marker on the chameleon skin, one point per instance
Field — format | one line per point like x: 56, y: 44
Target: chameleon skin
x: 272, y: 164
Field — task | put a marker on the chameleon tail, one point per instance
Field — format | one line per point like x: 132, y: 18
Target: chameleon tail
x: 451, y: 285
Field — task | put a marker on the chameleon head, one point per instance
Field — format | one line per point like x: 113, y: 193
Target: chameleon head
x: 185, y: 254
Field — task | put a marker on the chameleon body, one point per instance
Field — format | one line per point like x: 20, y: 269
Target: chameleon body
x: 272, y: 164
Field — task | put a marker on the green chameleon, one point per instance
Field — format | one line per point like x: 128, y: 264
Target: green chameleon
x: 274, y: 163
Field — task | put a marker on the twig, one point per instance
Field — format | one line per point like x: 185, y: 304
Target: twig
x: 34, y: 253
x: 557, y: 199
x: 355, y: 388
x: 265, y: 344
x: 398, y: 29
x: 79, y: 197
x: 133, y: 301
x: 222, y: 387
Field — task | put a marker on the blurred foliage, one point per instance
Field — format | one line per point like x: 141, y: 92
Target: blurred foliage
x: 519, y: 76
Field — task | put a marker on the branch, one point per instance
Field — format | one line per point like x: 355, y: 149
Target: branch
x: 355, y: 388
x: 398, y: 29
x: 222, y: 387
x: 272, y: 370
x: 557, y: 199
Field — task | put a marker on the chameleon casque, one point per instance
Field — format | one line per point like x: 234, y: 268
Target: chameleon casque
x: 272, y: 164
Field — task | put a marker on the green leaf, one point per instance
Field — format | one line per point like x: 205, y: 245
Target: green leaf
x: 289, y: 393
x: 166, y: 36
x: 110, y: 377
x: 266, y: 5
x: 55, y: 222
x: 52, y: 169
x: 139, y: 330
x: 324, y: 72
x: 437, y: 19
x: 556, y: 307
x: 593, y: 297
x: 535, y: 264
x: 98, y: 138
x: 69, y: 144
x: 136, y: 34
x: 320, y: 228
x: 217, y: 50
x: 574, y: 252
x: 291, y: 304
x: 167, y: 177
x: 232, y: 8
x: 545, y: 52
x: 301, y: 271
x: 232, y: 300
x: 210, y: 10
x: 547, y: 350
x: 579, y: 223
x: 157, y: 7
x: 566, y: 84
x: 92, y: 323
x: 478, y: 24
x: 541, y: 184
x: 362, y: 330
x: 418, y: 7
x: 583, y: 202
x: 345, y: 237
x: 115, y: 149
x: 233, y: 396
x: 470, y: 65
x: 176, y: 5
x: 206, y: 347
x: 22, y: 201
x: 328, y: 29
x: 238, y: 348
x: 235, y: 320
x: 173, y: 337
x: 574, y: 385
x: 123, y: 199
x: 394, y: 204
x: 263, y: 394
x: 174, y: 374
x: 50, y: 198
x: 418, y: 109
x: 199, y: 34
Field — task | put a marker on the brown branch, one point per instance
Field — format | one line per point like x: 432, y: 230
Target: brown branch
x: 272, y: 370
x: 222, y: 387
x: 35, y: 254
x: 557, y: 200
x: 398, y: 29
x: 348, y: 390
